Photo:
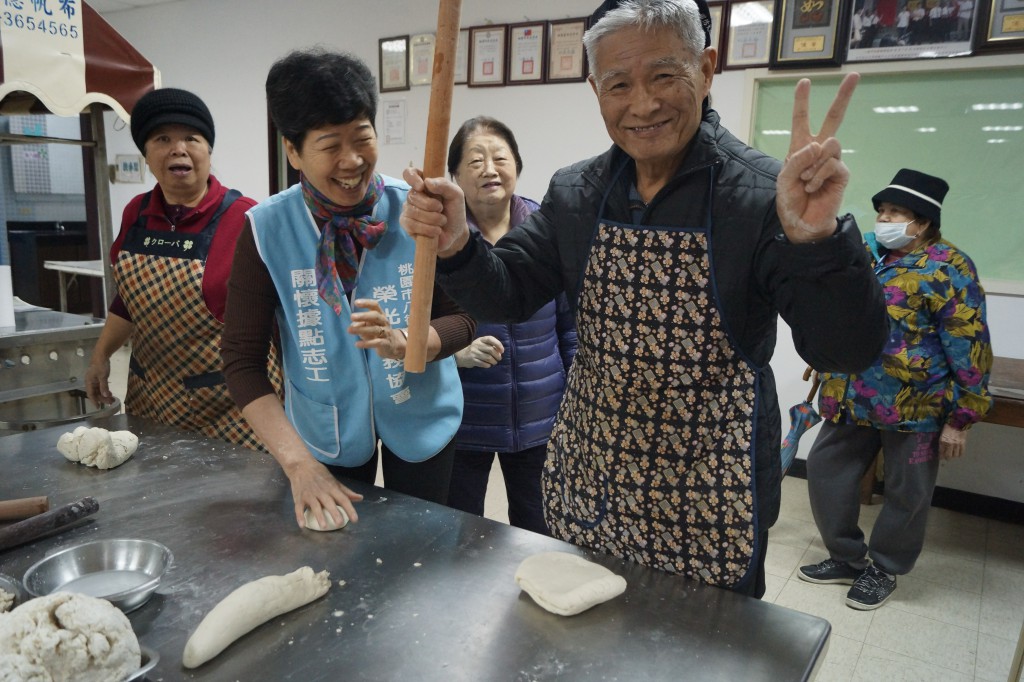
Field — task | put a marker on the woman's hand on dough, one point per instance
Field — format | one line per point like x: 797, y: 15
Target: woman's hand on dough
x: 314, y: 488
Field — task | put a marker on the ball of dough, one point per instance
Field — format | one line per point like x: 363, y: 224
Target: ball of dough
x: 312, y: 524
x: 98, y: 447
x: 65, y: 636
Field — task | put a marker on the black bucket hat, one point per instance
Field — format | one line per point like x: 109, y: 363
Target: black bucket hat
x: 920, y: 192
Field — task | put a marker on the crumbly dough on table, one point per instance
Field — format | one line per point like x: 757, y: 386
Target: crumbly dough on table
x: 6, y: 600
x: 567, y: 584
x: 98, y: 447
x: 67, y: 637
x: 312, y: 523
x: 251, y: 605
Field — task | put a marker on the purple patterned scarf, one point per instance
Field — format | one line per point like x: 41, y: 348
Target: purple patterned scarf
x: 336, y: 252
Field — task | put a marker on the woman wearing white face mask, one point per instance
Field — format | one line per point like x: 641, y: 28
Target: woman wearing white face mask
x: 929, y: 385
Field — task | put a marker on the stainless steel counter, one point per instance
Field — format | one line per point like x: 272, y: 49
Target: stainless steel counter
x: 41, y: 325
x: 428, y: 595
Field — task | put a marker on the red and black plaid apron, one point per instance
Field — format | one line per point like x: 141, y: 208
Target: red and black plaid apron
x: 175, y: 372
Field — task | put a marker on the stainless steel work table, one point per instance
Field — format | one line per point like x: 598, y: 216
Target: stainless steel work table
x: 428, y: 595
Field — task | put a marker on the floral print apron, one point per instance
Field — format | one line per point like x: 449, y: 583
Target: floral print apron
x: 175, y: 372
x: 651, y: 458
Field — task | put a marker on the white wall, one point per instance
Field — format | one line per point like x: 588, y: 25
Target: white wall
x: 222, y: 49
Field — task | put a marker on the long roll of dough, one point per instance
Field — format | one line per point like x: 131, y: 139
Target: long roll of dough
x: 251, y: 605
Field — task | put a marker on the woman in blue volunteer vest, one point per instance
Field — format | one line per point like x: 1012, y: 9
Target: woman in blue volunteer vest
x: 326, y: 261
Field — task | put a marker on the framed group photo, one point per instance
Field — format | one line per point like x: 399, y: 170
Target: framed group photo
x: 749, y: 35
x: 394, y: 63
x: 1000, y: 25
x: 910, y: 29
x: 566, y: 58
x: 487, y: 55
x: 809, y: 33
x: 526, y: 46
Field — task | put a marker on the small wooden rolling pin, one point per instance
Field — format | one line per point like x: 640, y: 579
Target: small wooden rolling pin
x: 22, y: 508
x: 41, y: 524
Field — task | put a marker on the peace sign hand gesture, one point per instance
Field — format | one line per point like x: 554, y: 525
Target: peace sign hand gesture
x: 809, y: 190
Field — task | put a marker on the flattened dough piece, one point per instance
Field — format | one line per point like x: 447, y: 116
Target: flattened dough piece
x: 312, y: 524
x: 251, y: 605
x: 567, y: 584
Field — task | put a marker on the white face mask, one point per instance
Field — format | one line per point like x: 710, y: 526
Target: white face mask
x: 893, y: 235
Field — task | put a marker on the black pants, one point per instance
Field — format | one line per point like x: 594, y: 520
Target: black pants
x: 427, y: 480
x: 521, y: 471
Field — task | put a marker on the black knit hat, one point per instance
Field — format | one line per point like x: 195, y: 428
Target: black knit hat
x: 702, y: 7
x: 920, y: 192
x: 169, y: 105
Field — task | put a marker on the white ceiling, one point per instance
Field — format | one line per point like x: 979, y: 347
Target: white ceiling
x: 103, y: 6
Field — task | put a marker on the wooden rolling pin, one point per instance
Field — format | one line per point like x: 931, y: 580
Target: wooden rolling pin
x: 22, y: 508
x: 439, y: 115
x: 30, y: 529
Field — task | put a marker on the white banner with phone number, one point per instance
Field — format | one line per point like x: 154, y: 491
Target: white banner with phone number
x: 44, y: 53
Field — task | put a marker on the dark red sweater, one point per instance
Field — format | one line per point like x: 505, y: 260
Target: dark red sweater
x: 222, y: 248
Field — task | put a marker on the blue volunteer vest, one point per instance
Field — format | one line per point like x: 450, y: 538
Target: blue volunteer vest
x: 338, y: 397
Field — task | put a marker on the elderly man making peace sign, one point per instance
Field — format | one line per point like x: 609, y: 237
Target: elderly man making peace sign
x: 678, y: 247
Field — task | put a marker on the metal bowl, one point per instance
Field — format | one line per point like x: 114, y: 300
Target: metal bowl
x: 123, y: 571
x: 12, y: 587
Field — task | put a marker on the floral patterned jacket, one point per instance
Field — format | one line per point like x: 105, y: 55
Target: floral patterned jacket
x: 935, y: 366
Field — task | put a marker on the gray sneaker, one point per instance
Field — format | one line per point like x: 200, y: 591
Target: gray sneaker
x: 872, y: 589
x: 829, y: 572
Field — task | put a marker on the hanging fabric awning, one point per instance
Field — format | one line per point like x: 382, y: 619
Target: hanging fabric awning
x: 60, y: 56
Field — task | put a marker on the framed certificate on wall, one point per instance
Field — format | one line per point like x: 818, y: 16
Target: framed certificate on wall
x: 487, y: 55
x: 394, y: 63
x: 750, y: 33
x: 566, y: 60
x: 526, y: 53
x: 421, y: 59
x: 809, y: 33
x: 1000, y: 25
x: 717, y: 12
x: 462, y: 58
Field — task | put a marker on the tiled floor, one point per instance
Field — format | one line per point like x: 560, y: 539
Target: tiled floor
x: 955, y: 618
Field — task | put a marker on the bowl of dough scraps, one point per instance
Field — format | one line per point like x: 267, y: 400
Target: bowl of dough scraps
x: 124, y: 571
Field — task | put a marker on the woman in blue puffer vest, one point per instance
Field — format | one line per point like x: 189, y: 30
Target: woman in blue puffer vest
x: 513, y: 375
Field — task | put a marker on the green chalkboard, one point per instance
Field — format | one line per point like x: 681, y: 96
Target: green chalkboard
x: 965, y: 126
